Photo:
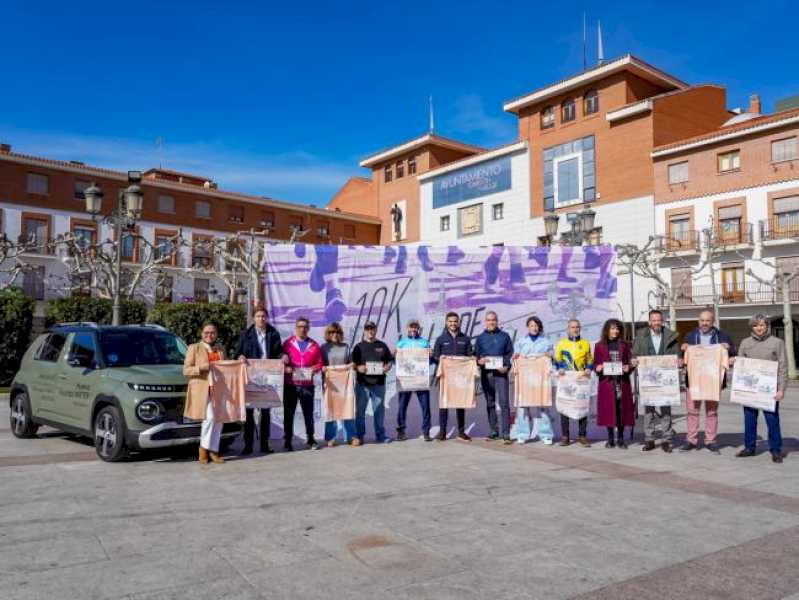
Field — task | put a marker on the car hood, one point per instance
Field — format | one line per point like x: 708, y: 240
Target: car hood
x: 152, y: 374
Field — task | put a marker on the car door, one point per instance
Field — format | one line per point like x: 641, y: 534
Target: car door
x: 43, y: 375
x: 78, y: 378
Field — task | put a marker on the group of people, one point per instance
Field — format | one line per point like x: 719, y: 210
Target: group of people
x: 303, y: 358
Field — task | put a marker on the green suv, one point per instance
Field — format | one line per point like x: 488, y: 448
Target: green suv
x: 122, y: 386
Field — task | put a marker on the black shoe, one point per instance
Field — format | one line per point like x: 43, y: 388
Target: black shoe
x: 442, y: 436
x: 610, y: 444
x: 266, y: 450
x: 648, y: 446
x: 666, y: 447
x: 688, y: 446
x: 246, y: 451
x: 744, y: 453
x: 507, y: 441
x: 312, y: 444
x: 776, y: 457
x: 621, y: 444
x: 401, y: 436
x: 494, y: 436
x: 427, y: 437
x: 714, y: 449
x: 288, y: 447
x: 464, y: 437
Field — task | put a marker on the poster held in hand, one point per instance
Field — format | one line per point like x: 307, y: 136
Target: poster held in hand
x: 492, y: 363
x: 658, y: 380
x: 374, y: 367
x: 573, y: 396
x: 413, y: 369
x: 754, y: 383
x: 264, y: 383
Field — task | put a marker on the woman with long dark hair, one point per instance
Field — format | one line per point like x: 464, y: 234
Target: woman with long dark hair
x: 615, y: 409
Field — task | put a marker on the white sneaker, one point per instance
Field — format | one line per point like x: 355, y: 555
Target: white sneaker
x: 547, y: 441
x: 520, y: 441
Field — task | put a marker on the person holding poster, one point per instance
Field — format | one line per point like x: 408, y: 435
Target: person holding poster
x: 494, y: 350
x: 452, y: 342
x: 532, y: 345
x: 413, y: 376
x: 762, y: 345
x: 657, y: 340
x: 615, y: 409
x: 373, y: 360
x: 304, y: 360
x: 261, y: 341
x: 706, y: 334
x: 573, y: 353
x: 336, y: 353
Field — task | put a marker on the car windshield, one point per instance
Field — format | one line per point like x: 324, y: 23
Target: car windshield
x: 125, y: 348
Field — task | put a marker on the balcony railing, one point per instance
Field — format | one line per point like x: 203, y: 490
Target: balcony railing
x: 733, y: 236
x: 779, y: 228
x: 750, y: 293
x: 679, y: 241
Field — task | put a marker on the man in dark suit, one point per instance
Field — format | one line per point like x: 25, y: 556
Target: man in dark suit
x: 259, y: 340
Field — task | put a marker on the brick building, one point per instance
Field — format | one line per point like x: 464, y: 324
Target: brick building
x: 42, y: 199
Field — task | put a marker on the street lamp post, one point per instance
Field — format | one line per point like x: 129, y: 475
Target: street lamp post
x: 124, y: 215
x: 582, y: 223
x: 252, y: 276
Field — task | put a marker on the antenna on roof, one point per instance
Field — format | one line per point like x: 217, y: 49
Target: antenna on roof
x: 585, y: 59
x: 432, y: 119
x: 600, y: 52
x: 159, y: 144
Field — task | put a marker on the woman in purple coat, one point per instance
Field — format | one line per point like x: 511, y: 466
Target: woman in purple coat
x: 615, y: 408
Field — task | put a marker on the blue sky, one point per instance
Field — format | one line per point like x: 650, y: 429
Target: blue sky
x: 283, y: 99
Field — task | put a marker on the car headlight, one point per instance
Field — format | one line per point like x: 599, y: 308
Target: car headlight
x: 149, y: 411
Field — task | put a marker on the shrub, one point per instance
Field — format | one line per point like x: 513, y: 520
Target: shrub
x: 95, y: 310
x: 186, y: 321
x: 16, y: 322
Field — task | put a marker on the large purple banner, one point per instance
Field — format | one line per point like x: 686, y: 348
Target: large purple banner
x: 389, y: 285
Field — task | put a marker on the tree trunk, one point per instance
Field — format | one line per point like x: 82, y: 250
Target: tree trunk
x: 787, y: 321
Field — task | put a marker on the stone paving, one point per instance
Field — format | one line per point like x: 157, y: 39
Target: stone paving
x: 405, y: 520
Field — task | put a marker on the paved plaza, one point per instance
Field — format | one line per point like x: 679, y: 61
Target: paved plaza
x: 405, y: 520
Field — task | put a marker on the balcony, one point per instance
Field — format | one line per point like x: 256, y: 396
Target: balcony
x: 740, y: 235
x: 780, y: 229
x: 750, y: 293
x: 679, y: 242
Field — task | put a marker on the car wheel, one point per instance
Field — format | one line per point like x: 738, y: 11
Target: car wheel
x: 109, y: 434
x: 22, y: 425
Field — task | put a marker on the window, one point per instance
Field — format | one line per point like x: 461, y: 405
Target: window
x: 51, y: 348
x: 591, y: 102
x: 730, y: 226
x: 201, y: 290
x: 787, y: 265
x: 678, y: 173
x: 38, y: 184
x: 412, y: 165
x: 444, y: 226
x: 268, y: 221
x: 164, y: 247
x: 732, y: 283
x: 82, y: 348
x: 786, y: 216
x: 729, y: 161
x: 84, y: 235
x: 548, y: 117
x: 36, y: 230
x: 567, y: 111
x: 323, y: 230
x: 497, y: 211
x: 680, y: 232
x: 129, y: 245
x: 33, y: 282
x: 681, y: 285
x: 400, y: 169
x: 594, y: 237
x: 388, y: 173
x: 202, y: 253
x: 80, y: 188
x: 236, y: 214
x: 569, y: 173
x: 81, y: 284
x: 166, y: 204
x: 202, y: 209
x: 783, y: 149
x: 163, y: 289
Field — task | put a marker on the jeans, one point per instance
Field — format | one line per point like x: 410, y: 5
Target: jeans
x: 773, y: 424
x: 331, y: 429
x: 495, y: 389
x: 424, y: 403
x: 363, y: 395
x: 263, y: 428
x: 292, y: 394
x: 582, y: 425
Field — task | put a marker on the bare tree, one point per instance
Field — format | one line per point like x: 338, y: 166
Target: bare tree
x: 13, y: 261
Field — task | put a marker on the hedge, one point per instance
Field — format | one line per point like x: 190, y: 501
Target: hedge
x: 186, y: 321
x: 16, y: 322
x: 94, y: 310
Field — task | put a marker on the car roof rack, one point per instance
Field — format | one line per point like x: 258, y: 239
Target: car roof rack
x: 155, y: 326
x: 78, y: 324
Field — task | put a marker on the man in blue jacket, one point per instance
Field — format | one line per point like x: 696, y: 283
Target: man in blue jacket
x: 452, y: 342
x: 706, y: 334
x: 259, y: 340
x: 414, y: 339
x: 494, y: 350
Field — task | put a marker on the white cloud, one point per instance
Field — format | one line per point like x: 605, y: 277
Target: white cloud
x: 470, y: 117
x: 293, y: 175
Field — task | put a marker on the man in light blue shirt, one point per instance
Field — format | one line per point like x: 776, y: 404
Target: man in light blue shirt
x: 413, y: 340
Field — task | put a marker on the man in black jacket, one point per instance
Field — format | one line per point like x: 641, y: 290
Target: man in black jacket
x: 452, y: 343
x: 259, y: 340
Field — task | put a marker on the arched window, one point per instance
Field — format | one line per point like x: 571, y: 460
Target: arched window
x: 567, y: 111
x: 547, y: 117
x: 591, y: 102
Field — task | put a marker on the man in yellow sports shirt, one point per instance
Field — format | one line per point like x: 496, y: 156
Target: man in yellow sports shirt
x: 572, y: 353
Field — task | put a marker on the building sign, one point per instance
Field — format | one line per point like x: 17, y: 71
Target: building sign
x: 485, y: 178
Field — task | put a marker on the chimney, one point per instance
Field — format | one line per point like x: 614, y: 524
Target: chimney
x: 5, y: 148
x: 754, y: 104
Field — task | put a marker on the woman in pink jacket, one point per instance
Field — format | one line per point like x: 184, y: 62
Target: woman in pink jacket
x: 303, y: 358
